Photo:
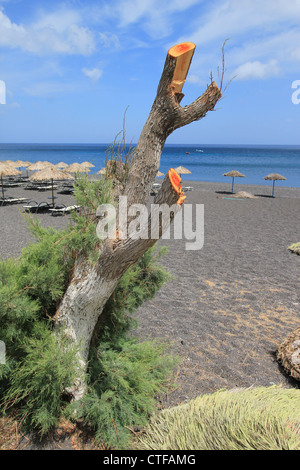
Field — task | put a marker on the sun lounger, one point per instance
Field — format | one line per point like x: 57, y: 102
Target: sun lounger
x: 12, y: 200
x: 66, y: 190
x: 45, y: 188
x: 62, y: 210
x: 35, y: 207
x: 188, y: 188
x: 8, y: 184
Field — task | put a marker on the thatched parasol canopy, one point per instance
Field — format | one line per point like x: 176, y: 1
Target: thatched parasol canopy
x: 159, y: 174
x: 234, y: 174
x: 101, y: 172
x: 182, y: 171
x: 20, y: 164
x: 77, y: 168
x: 87, y: 165
x: 7, y: 170
x: 61, y: 165
x: 274, y: 177
x: 37, y: 166
x: 51, y: 173
x: 8, y: 162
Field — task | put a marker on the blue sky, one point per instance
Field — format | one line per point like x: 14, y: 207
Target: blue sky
x: 72, y: 68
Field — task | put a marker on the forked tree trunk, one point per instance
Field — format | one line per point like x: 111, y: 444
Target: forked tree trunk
x: 91, y: 286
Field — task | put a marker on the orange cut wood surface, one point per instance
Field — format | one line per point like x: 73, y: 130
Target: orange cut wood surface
x: 183, y: 53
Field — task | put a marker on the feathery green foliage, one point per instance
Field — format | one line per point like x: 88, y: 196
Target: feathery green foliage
x: 39, y: 380
x: 252, y: 419
x: 123, y: 374
x: 123, y: 383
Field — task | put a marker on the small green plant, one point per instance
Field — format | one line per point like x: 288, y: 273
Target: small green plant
x: 258, y: 418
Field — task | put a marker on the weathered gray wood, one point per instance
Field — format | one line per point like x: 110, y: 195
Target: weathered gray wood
x: 91, y: 286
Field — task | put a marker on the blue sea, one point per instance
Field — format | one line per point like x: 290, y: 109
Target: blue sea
x: 206, y: 162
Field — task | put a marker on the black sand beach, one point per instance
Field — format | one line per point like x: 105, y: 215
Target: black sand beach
x: 231, y: 303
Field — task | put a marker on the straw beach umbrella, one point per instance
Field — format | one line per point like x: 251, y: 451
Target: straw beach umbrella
x: 51, y: 173
x: 234, y: 174
x: 87, y: 165
x: 101, y: 172
x: 274, y: 177
x: 182, y: 171
x: 61, y: 165
x: 7, y: 170
x: 159, y: 174
x: 77, y: 168
x: 37, y: 166
x: 20, y: 164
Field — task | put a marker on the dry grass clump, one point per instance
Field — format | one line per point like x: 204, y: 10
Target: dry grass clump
x: 249, y: 419
x: 245, y: 195
x: 295, y: 248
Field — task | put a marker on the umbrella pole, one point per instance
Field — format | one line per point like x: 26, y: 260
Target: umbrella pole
x: 52, y: 194
x: 273, y: 188
x: 232, y: 184
x: 2, y: 186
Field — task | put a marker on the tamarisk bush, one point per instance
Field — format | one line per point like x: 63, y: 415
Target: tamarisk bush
x: 123, y: 374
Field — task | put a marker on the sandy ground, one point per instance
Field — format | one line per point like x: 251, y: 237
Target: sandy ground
x: 236, y: 299
x: 231, y: 303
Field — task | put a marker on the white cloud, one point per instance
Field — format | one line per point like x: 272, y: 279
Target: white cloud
x: 59, y: 32
x: 49, y: 88
x: 257, y: 70
x: 264, y: 37
x: 195, y: 79
x: 94, y: 74
x: 233, y: 18
x: 154, y: 16
x: 109, y: 40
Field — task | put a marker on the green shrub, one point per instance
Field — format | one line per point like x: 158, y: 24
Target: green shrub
x: 252, y: 419
x: 39, y: 380
x: 123, y: 374
x: 123, y: 383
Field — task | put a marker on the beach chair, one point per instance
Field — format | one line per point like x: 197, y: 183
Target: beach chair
x: 62, y: 210
x: 188, y: 188
x: 66, y: 190
x: 8, y: 184
x: 12, y: 200
x: 45, y: 187
x: 36, y: 207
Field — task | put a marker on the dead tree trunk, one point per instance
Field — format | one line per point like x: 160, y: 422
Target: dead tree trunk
x: 91, y: 287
